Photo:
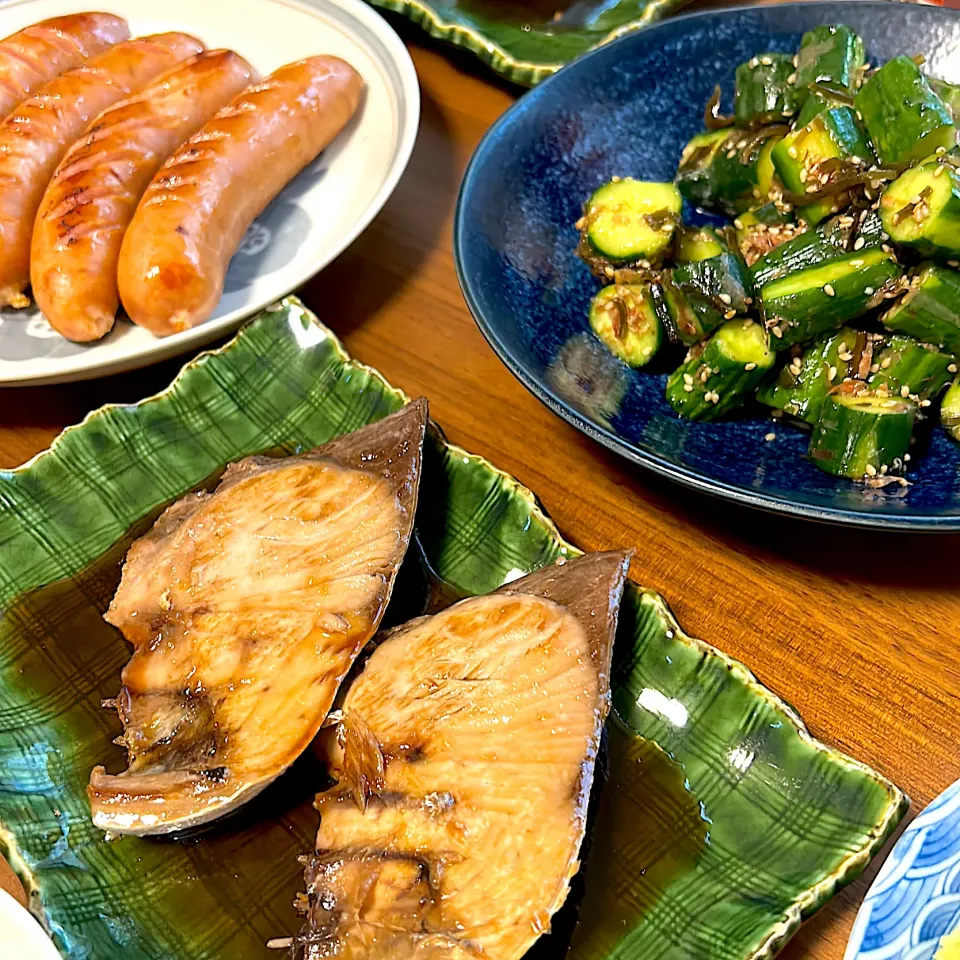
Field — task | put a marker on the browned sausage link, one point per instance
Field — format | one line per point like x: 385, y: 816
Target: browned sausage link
x: 193, y: 216
x: 93, y: 195
x: 39, y: 53
x: 34, y: 138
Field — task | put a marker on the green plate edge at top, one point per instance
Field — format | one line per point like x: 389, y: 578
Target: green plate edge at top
x: 522, y: 41
x: 721, y: 824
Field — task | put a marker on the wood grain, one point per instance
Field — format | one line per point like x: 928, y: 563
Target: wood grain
x: 10, y: 883
x: 859, y: 631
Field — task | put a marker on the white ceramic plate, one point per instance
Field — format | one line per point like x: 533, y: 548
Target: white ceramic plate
x: 314, y: 218
x: 20, y: 935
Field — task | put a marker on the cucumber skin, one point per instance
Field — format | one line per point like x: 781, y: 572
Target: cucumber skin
x: 930, y: 311
x: 804, y: 398
x: 899, y: 110
x: 950, y: 411
x: 949, y: 93
x: 816, y: 246
x: 733, y: 383
x: 802, y: 316
x: 845, y: 441
x: 837, y: 63
x: 924, y: 371
x: 691, y: 293
x: 763, y: 91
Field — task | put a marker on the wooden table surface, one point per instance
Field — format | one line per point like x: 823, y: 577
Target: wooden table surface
x: 859, y: 631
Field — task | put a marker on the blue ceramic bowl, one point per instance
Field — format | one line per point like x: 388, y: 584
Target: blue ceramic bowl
x: 627, y: 109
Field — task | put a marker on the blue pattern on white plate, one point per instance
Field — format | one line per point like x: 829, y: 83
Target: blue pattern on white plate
x: 915, y: 900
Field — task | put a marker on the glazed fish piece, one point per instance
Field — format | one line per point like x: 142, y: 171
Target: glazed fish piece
x: 246, y: 608
x: 464, y: 758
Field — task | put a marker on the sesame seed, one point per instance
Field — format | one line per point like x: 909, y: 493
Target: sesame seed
x: 874, y: 367
x: 731, y: 154
x: 886, y: 248
x: 904, y: 391
x: 753, y: 63
x: 792, y: 151
x: 725, y: 297
x: 885, y: 362
x: 953, y: 263
x: 856, y: 263
x: 787, y: 112
x: 951, y: 368
x: 858, y: 243
x: 580, y: 223
x: 730, y: 314
x: 615, y: 179
x: 803, y: 175
x: 687, y: 378
x: 715, y: 399
x: 938, y: 172
x: 828, y: 290
x: 906, y: 458
x: 750, y: 366
x: 741, y: 144
x: 792, y: 78
x: 645, y: 264
x: 770, y: 437
x: 688, y: 387
x: 845, y: 357
x: 738, y: 223
x: 871, y: 470
x: 777, y: 332
x: 868, y: 291
x: 813, y: 188
x: 832, y: 373
x: 766, y: 61
x: 883, y: 470
x: 608, y: 271
x: 858, y: 161
x: 924, y: 403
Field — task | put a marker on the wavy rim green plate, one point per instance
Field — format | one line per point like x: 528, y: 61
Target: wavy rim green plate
x: 527, y: 50
x: 721, y: 825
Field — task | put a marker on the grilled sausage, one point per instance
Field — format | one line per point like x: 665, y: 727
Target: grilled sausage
x: 34, y: 138
x: 195, y: 212
x: 90, y: 201
x: 38, y: 53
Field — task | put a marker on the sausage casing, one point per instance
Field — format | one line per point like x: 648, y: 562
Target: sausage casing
x: 38, y: 53
x: 92, y: 197
x: 34, y: 138
x: 195, y: 212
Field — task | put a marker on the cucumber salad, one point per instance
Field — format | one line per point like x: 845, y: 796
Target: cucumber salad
x: 832, y: 296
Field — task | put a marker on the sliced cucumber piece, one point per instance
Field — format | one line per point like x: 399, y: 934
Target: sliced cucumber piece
x: 763, y: 229
x: 764, y: 90
x: 905, y: 119
x: 950, y: 410
x: 861, y: 436
x: 808, y: 302
x: 802, y: 384
x: 624, y: 317
x: 700, y: 296
x: 723, y: 169
x: 832, y: 56
x: 627, y: 220
x: 909, y: 369
x: 930, y: 309
x: 809, y: 154
x: 719, y: 375
x: 921, y: 208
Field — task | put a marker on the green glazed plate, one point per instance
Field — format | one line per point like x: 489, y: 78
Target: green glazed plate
x: 526, y: 42
x: 721, y: 825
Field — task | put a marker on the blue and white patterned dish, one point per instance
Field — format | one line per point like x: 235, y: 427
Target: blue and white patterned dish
x: 315, y: 217
x: 914, y: 903
x: 627, y: 109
